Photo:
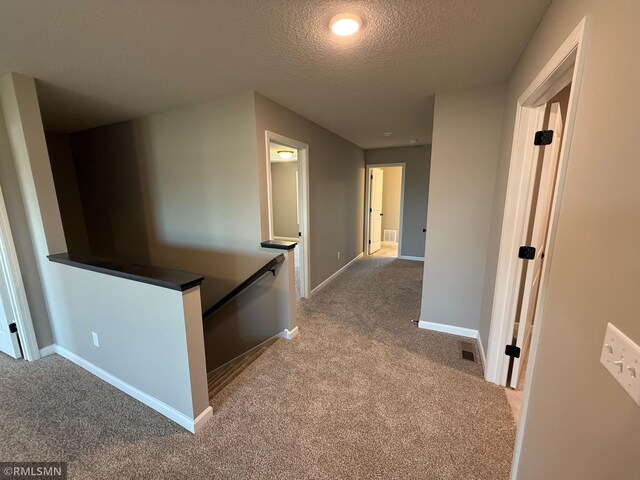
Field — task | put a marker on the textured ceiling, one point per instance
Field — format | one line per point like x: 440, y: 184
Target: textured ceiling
x: 98, y: 62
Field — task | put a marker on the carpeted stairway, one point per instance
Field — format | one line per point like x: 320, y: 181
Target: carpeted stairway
x: 222, y: 376
x: 362, y: 393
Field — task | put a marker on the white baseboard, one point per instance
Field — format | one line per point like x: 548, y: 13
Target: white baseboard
x: 481, y: 351
x: 201, y: 419
x: 333, y: 277
x: 48, y: 350
x: 290, y: 335
x: 451, y: 329
x: 407, y: 257
x: 190, y: 424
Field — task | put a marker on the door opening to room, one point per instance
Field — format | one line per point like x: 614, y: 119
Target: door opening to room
x: 383, y: 220
x: 287, y: 162
x: 533, y: 252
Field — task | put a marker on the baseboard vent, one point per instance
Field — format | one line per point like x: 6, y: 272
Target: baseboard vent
x: 468, y: 351
x: 390, y: 236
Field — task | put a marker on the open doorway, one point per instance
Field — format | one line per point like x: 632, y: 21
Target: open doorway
x: 537, y: 170
x: 384, y: 205
x: 545, y: 178
x: 287, y: 162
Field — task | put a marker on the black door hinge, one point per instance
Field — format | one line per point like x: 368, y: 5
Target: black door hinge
x: 527, y: 253
x: 299, y: 234
x: 371, y: 177
x: 512, y: 351
x: 369, y: 242
x: 13, y: 328
x: 370, y: 210
x: 543, y: 137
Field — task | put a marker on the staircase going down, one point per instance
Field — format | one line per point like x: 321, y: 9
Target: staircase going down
x: 219, y: 378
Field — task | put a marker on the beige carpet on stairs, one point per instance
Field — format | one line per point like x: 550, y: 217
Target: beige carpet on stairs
x: 361, y: 394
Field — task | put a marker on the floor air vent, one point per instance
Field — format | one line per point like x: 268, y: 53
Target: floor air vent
x: 468, y: 351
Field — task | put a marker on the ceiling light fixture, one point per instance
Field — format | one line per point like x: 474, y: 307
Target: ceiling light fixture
x: 387, y: 134
x: 345, y: 24
x: 285, y: 154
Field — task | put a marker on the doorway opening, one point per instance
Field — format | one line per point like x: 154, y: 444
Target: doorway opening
x: 384, y: 207
x: 17, y: 336
x: 287, y: 180
x: 537, y: 171
x: 544, y: 178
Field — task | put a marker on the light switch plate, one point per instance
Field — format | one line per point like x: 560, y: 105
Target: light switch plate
x: 621, y: 357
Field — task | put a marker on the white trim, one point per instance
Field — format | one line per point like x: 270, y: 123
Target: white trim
x: 407, y: 257
x: 48, y: 350
x: 10, y: 271
x: 333, y: 277
x: 367, y: 202
x: 201, y: 419
x: 570, y: 56
x: 289, y: 335
x: 192, y: 425
x: 481, y: 351
x: 451, y: 329
x: 304, y: 242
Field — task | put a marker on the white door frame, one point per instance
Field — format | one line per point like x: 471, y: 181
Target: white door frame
x: 566, y: 66
x: 303, y: 202
x: 11, y: 275
x: 368, y: 202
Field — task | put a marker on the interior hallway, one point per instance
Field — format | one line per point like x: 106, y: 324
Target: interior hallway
x: 362, y: 393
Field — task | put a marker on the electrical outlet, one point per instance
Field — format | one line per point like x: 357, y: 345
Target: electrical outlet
x: 621, y: 357
x: 338, y: 255
x: 96, y: 340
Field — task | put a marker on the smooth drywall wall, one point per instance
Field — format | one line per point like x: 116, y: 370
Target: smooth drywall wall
x: 578, y: 421
x: 336, y: 187
x: 464, y: 163
x: 391, y: 198
x: 284, y: 199
x: 68, y: 193
x: 417, y: 160
x: 179, y: 189
x: 22, y: 241
x: 146, y: 334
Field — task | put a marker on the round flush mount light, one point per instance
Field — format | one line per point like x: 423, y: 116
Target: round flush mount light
x: 345, y: 24
x: 285, y: 154
x: 387, y: 134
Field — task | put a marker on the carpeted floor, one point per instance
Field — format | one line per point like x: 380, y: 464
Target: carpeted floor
x: 361, y: 394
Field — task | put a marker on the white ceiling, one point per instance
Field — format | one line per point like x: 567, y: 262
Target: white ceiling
x: 98, y: 62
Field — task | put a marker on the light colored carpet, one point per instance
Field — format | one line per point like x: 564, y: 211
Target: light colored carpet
x: 361, y: 394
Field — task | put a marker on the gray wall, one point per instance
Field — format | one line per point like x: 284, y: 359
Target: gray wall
x: 391, y: 199
x: 336, y: 189
x: 464, y: 163
x: 179, y: 189
x: 284, y: 199
x: 22, y: 240
x: 68, y: 192
x: 416, y: 191
x: 579, y: 423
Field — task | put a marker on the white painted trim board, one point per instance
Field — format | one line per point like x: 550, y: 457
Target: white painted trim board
x: 192, y: 425
x: 336, y: 274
